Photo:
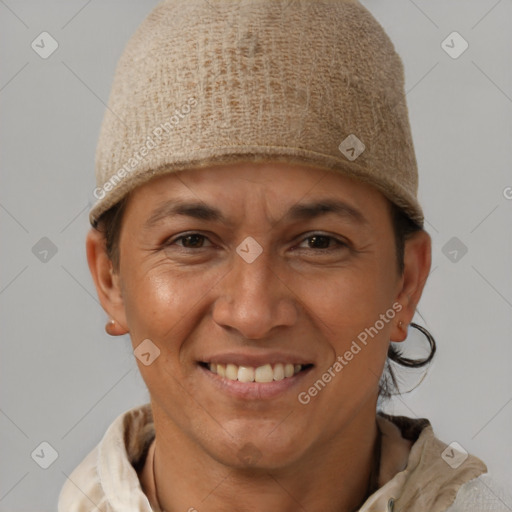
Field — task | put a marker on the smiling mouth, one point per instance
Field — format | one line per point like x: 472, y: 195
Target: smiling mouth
x: 261, y: 374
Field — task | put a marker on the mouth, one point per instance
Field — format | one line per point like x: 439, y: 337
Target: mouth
x: 265, y: 373
x: 255, y: 380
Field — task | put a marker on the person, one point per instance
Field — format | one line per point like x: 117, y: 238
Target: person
x: 257, y: 233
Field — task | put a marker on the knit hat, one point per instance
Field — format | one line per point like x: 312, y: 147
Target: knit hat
x: 312, y: 82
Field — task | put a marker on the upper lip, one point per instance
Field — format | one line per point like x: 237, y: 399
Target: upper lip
x: 256, y: 360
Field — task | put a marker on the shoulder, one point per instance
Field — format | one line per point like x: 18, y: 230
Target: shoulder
x: 482, y: 494
x: 435, y: 471
x: 109, y: 470
x: 82, y: 490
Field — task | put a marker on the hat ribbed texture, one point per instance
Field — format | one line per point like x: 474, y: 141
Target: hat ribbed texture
x: 203, y: 83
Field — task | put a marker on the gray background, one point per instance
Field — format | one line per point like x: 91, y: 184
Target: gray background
x: 63, y: 380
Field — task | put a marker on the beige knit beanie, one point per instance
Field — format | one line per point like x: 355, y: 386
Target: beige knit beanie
x: 314, y: 82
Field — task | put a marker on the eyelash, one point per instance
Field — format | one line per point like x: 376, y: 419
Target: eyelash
x: 341, y: 244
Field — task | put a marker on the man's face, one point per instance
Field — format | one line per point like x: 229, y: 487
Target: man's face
x: 260, y: 285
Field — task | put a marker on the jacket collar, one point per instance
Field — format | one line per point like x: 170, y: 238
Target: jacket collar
x: 416, y: 472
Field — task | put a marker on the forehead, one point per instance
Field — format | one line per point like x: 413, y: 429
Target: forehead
x: 274, y: 188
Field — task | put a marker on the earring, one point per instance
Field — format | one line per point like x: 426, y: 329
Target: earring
x: 401, y: 326
x: 109, y: 328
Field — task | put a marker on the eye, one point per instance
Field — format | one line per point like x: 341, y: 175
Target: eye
x: 189, y: 241
x: 316, y: 241
x: 322, y: 242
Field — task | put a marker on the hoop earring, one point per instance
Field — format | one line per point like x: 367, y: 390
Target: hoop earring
x: 414, y: 363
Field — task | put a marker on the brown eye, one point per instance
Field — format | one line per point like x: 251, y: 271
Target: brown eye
x: 190, y: 241
x: 193, y: 240
x: 324, y: 242
x: 319, y: 241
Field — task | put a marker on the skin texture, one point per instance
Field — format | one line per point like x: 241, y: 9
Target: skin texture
x: 200, y: 300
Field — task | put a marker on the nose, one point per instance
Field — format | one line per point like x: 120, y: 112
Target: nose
x: 254, y: 299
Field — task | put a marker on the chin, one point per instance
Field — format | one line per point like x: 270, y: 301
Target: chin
x: 258, y: 448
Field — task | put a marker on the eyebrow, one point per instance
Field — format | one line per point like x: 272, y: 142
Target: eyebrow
x: 298, y: 212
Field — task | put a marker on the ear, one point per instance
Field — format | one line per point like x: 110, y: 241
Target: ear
x: 107, y: 282
x: 417, y: 262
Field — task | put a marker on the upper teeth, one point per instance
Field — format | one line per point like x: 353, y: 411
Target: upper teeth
x: 263, y: 373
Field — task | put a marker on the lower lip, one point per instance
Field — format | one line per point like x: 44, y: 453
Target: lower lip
x: 254, y: 390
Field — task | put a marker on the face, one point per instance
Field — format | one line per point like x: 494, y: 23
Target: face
x: 238, y: 273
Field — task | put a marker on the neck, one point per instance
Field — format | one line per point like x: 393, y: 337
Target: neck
x: 332, y: 477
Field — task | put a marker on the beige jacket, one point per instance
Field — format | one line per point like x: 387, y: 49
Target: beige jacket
x: 415, y: 475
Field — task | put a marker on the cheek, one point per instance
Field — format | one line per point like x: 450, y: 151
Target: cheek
x: 347, y: 302
x: 151, y: 304
x: 162, y: 306
x: 165, y: 304
x: 354, y: 310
